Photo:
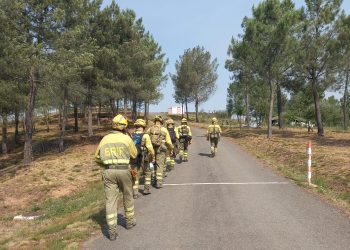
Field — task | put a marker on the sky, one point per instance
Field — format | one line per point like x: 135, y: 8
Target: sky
x: 181, y: 24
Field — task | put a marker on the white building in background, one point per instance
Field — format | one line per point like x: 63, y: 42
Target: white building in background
x: 174, y: 111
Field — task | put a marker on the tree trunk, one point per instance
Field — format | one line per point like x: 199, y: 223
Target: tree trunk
x: 247, y: 115
x: 34, y: 128
x: 28, y: 151
x: 197, y: 106
x: 182, y: 109
x: 279, y: 107
x: 146, y: 111
x: 145, y: 114
x: 125, y: 106
x: 112, y: 104
x: 64, y: 119
x: 90, y: 131
x: 272, y: 97
x: 76, y: 121
x: 4, y: 134
x: 16, y: 127
x: 139, y: 108
x: 240, y: 121
x: 320, y: 130
x: 345, y: 105
x: 134, y: 110
x: 117, y: 111
x: 60, y: 116
x: 186, y: 108
x: 47, y: 120
x: 99, y: 115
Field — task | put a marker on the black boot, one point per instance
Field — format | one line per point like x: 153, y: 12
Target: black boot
x: 112, y: 234
x: 130, y: 224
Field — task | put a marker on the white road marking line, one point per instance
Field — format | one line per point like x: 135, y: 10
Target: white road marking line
x: 226, y: 183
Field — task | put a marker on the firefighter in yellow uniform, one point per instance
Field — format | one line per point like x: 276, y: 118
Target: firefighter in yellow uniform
x: 214, y: 134
x: 185, y: 138
x: 114, y: 153
x: 145, y: 155
x: 161, y: 142
x: 170, y: 159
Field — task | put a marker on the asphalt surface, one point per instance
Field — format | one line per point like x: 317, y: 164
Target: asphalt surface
x: 229, y: 202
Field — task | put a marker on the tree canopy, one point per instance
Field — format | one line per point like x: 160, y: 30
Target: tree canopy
x: 59, y: 54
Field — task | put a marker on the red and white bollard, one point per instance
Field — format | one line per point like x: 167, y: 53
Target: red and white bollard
x: 309, y: 163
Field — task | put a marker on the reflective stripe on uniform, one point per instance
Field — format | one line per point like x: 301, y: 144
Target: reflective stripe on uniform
x: 110, y: 216
x: 129, y: 212
x: 111, y: 219
x: 129, y: 209
x: 116, y: 161
x: 148, y: 181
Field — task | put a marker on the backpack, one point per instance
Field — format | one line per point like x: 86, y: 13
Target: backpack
x: 137, y: 138
x: 214, y: 134
x: 183, y: 133
x: 156, y: 136
x: 172, y: 135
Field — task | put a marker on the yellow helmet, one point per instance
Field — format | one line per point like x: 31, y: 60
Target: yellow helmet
x: 140, y: 123
x: 159, y: 119
x: 170, y: 122
x: 214, y: 120
x: 183, y: 120
x: 119, y: 122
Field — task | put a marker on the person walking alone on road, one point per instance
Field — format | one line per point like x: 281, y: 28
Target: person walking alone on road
x: 145, y: 155
x: 161, y: 142
x: 185, y: 138
x: 114, y: 153
x: 213, y: 134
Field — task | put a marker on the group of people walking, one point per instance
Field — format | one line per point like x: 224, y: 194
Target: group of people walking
x: 150, y: 153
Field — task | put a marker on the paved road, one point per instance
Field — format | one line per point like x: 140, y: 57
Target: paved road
x: 251, y: 208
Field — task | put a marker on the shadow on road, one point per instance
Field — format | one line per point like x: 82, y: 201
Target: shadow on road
x: 100, y: 218
x: 178, y: 161
x: 204, y: 154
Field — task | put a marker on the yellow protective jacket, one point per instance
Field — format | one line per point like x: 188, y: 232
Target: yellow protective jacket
x: 180, y: 128
x: 214, y: 128
x: 115, y: 148
x: 165, y: 137
x: 146, y: 142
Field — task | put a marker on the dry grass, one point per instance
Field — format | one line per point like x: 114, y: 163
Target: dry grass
x: 286, y: 152
x: 67, y: 188
x: 50, y: 180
